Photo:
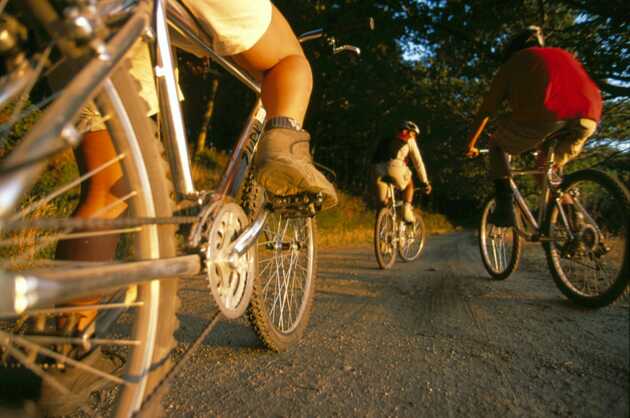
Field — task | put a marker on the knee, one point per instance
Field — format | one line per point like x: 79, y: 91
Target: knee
x: 294, y: 67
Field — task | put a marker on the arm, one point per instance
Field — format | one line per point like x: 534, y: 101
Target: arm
x: 492, y: 100
x: 419, y: 164
x: 472, y: 150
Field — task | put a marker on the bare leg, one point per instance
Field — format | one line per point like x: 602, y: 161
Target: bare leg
x: 283, y: 162
x: 408, y: 192
x: 98, y: 193
x: 287, y: 80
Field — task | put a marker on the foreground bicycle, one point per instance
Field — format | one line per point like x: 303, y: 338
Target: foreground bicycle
x: 82, y: 47
x: 583, y: 224
x: 392, y: 234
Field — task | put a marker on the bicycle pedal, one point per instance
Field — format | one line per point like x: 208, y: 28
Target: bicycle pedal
x: 301, y: 204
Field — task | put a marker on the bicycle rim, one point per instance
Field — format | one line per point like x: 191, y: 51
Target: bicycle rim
x: 500, y: 247
x: 384, y: 239
x: 412, y: 240
x: 126, y: 323
x: 591, y: 268
x: 285, y: 286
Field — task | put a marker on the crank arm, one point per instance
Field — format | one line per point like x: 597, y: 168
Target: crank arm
x: 249, y: 235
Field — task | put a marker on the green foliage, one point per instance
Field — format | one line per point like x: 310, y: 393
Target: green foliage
x: 9, y: 135
x: 431, y: 61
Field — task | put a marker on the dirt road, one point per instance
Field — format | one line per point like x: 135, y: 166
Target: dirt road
x: 432, y: 338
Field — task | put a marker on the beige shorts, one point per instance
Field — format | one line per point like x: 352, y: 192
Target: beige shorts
x: 514, y: 138
x: 397, y: 170
x: 235, y: 26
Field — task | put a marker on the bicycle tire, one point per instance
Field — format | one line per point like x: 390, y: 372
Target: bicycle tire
x: 497, y: 262
x: 569, y: 259
x: 384, y: 239
x: 133, y: 134
x: 414, y: 244
x: 296, y: 236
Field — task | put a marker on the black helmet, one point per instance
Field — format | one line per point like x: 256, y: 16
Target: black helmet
x: 528, y: 37
x: 410, y: 126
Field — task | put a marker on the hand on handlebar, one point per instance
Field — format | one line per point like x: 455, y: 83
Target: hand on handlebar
x: 472, y: 152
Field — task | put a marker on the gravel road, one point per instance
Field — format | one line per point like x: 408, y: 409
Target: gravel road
x: 434, y: 337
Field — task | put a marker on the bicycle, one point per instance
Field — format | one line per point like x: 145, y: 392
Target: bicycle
x: 582, y: 224
x: 238, y: 228
x: 392, y: 234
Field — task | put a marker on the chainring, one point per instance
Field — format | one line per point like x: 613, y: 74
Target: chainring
x: 230, y: 277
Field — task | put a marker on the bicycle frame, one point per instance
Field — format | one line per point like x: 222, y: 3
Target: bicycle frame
x: 21, y: 292
x: 548, y: 192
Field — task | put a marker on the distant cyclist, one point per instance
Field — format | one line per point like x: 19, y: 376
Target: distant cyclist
x: 547, y: 90
x: 390, y: 159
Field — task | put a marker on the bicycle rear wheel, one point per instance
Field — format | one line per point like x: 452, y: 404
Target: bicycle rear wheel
x: 412, y: 240
x: 284, y: 289
x: 591, y: 268
x: 385, y: 243
x: 125, y: 326
x: 500, y: 247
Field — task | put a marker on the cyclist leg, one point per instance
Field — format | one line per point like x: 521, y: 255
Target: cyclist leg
x: 100, y: 195
x: 381, y: 188
x: 401, y: 174
x: 574, y: 135
x: 408, y: 214
x: 570, y: 145
x: 260, y: 39
x: 512, y: 138
x: 284, y: 164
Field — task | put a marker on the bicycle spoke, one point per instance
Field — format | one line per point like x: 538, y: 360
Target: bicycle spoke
x: 61, y: 358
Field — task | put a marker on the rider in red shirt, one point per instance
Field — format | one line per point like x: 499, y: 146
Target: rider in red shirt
x: 547, y: 90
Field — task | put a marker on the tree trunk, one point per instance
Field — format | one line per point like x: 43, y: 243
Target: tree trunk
x: 205, y: 123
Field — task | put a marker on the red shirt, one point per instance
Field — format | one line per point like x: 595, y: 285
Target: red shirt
x: 544, y: 84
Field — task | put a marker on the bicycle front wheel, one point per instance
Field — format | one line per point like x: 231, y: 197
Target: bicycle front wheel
x: 385, y: 243
x: 500, y: 247
x: 106, y: 339
x: 588, y: 248
x: 412, y: 240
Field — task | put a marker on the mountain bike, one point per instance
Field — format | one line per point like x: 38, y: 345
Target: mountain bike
x: 393, y: 235
x: 582, y: 223
x: 250, y: 246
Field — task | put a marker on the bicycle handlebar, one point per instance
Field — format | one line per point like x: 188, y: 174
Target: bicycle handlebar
x: 320, y: 33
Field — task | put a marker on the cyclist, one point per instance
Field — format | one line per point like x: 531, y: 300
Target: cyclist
x: 258, y: 37
x: 548, y: 90
x: 390, y: 159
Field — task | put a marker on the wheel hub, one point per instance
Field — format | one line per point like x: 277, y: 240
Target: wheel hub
x: 589, y: 237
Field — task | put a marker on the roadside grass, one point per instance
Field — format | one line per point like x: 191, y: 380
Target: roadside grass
x: 349, y: 223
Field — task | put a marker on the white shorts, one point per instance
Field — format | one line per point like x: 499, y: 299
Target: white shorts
x: 397, y: 170
x: 235, y: 26
x: 140, y: 69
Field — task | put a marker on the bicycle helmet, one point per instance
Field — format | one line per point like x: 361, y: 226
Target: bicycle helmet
x: 410, y: 126
x: 529, y: 37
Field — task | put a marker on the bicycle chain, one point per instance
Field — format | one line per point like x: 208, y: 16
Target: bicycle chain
x: 162, y: 386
